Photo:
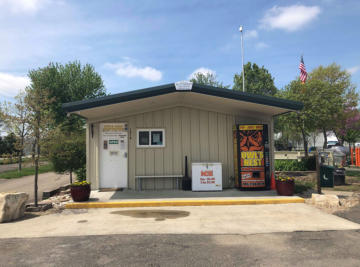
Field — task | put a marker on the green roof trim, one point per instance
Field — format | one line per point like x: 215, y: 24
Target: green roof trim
x: 170, y: 88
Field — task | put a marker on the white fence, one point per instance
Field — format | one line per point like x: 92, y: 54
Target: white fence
x: 327, y: 155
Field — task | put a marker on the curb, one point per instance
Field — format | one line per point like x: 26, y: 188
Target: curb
x: 188, y: 202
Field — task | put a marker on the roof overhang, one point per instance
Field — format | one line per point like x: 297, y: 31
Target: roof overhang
x: 199, y: 96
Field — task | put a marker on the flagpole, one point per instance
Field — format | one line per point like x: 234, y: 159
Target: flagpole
x: 242, y: 57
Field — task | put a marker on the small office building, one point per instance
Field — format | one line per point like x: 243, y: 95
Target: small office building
x: 141, y: 138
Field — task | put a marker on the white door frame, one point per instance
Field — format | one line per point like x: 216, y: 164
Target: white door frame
x: 100, y: 147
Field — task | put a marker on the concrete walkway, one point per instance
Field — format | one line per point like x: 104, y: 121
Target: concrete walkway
x: 47, y: 182
x: 250, y: 219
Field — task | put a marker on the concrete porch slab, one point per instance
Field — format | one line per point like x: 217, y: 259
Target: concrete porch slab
x: 125, y: 199
x: 240, y: 219
x: 174, y: 194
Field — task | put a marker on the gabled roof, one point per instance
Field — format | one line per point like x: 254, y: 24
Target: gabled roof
x: 170, y: 88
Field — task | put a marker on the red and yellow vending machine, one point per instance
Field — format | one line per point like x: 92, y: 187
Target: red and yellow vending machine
x: 251, y: 157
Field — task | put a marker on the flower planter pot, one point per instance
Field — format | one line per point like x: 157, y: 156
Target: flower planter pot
x: 285, y: 188
x: 80, y: 192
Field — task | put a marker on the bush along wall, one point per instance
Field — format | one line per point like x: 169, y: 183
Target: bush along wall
x: 306, y: 164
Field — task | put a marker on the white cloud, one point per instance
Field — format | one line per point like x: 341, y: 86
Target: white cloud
x: 353, y: 69
x: 22, y: 6
x: 10, y: 85
x: 201, y: 70
x: 289, y: 18
x: 250, y: 34
x: 261, y: 45
x: 128, y: 69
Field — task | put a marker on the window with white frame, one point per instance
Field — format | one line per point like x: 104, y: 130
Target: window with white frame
x: 150, y: 138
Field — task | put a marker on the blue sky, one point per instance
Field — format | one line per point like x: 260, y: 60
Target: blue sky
x: 137, y: 44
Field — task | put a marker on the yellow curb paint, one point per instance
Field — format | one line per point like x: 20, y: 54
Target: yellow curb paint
x: 188, y: 202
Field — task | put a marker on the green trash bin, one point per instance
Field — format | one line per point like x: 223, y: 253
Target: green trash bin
x: 327, y: 176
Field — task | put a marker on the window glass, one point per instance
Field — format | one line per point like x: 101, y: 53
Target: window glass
x: 144, y: 138
x: 156, y: 138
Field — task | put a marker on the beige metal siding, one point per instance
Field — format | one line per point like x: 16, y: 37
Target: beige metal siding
x: 199, y: 134
x: 131, y: 150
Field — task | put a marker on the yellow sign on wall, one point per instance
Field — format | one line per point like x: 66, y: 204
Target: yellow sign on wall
x: 250, y: 127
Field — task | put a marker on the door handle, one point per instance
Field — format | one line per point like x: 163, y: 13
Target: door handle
x: 125, y: 154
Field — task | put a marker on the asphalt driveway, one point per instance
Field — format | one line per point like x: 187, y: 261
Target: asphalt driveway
x: 47, y: 182
x: 329, y: 248
x: 253, y: 235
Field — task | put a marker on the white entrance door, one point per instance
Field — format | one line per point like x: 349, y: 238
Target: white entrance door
x: 113, y: 155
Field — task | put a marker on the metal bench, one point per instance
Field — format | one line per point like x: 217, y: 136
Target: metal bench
x: 139, y: 178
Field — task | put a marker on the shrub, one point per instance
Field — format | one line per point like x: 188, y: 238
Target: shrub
x: 306, y: 164
x: 67, y: 152
x: 81, y: 174
x: 289, y: 165
x: 310, y: 163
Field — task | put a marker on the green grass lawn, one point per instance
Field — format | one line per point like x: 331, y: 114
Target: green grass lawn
x: 347, y: 187
x: 352, y: 180
x: 25, y: 172
x: 353, y: 173
x: 15, y: 160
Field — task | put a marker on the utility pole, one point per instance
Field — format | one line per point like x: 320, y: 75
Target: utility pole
x: 318, y: 166
x: 242, y: 57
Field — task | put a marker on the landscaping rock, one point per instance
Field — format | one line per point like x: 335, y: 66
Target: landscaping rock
x: 351, y: 201
x: 12, y: 206
x: 327, y: 201
x: 40, y: 207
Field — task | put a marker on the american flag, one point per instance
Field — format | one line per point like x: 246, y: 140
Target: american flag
x: 303, y: 73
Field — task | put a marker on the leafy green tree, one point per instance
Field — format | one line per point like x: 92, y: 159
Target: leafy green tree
x: 16, y: 118
x: 331, y: 94
x: 40, y: 120
x: 302, y: 121
x: 257, y: 80
x: 286, y: 133
x: 67, y: 83
x: 207, y: 79
x: 348, y: 126
x: 8, y: 145
x: 67, y: 152
x: 50, y: 87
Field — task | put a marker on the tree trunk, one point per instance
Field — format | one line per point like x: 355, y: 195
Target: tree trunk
x: 339, y: 138
x: 325, y: 139
x: 21, y: 152
x: 20, y: 161
x: 318, y: 182
x: 37, y: 157
x: 314, y: 139
x: 305, y: 143
x: 70, y: 177
x: 36, y: 180
x: 33, y: 151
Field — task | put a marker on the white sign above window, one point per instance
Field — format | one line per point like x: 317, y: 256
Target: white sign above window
x: 183, y: 86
